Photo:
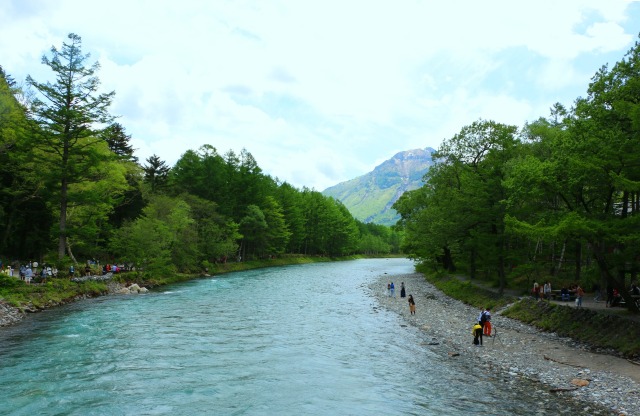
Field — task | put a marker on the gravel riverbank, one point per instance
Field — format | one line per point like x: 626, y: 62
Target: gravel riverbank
x: 556, y: 365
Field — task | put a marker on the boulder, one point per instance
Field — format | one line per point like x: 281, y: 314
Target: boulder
x: 134, y: 288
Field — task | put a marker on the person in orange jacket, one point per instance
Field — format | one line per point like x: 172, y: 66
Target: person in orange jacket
x: 485, y: 322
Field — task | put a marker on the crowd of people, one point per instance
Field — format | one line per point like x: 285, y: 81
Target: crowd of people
x: 613, y: 295
x: 31, y: 272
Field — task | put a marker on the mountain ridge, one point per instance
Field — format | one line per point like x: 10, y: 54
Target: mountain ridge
x: 370, y: 197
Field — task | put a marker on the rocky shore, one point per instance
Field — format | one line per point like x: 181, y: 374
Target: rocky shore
x: 10, y: 315
x: 557, y: 366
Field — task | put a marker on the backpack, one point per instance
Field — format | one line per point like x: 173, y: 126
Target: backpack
x: 485, y: 317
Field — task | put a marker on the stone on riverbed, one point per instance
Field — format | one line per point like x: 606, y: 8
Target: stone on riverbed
x: 133, y: 289
x: 579, y: 382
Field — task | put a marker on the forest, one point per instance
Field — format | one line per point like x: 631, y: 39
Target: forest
x: 556, y: 200
x: 72, y: 191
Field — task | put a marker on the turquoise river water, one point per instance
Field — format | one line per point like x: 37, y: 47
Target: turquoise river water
x: 296, y: 340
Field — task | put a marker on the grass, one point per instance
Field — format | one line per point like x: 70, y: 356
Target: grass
x: 470, y: 293
x: 54, y: 292
x: 57, y: 291
x: 597, y: 329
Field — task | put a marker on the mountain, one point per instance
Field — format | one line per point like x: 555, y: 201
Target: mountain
x: 369, y: 197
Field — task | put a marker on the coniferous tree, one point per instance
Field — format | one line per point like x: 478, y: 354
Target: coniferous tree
x: 119, y: 141
x: 66, y: 112
x: 156, y: 173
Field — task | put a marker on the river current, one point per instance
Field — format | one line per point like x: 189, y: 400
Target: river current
x: 295, y: 340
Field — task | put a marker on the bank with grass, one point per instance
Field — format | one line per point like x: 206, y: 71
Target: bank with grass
x: 617, y: 334
x: 17, y: 297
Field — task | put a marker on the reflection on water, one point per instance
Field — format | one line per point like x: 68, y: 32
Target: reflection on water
x: 288, y: 341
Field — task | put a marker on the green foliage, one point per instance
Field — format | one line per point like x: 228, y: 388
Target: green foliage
x: 597, y: 329
x: 65, y: 176
x: 560, y: 201
x: 66, y: 112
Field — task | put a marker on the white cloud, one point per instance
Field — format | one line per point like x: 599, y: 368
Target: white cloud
x: 323, y: 92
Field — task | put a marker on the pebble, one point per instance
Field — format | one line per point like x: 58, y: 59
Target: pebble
x: 510, y: 355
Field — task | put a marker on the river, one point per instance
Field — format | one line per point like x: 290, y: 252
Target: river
x: 295, y: 340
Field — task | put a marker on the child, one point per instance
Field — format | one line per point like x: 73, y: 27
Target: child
x: 477, y: 334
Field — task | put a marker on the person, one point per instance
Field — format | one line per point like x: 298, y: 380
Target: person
x: 616, y: 298
x: 28, y: 274
x: 477, y: 334
x: 536, y: 291
x: 389, y: 289
x: 412, y: 305
x: 635, y: 290
x: 547, y: 290
x: 485, y: 321
x: 87, y: 270
x: 393, y: 290
x: 9, y: 271
x: 579, y: 295
x: 403, y: 292
x: 609, y: 296
x: 564, y: 294
x: 72, y: 271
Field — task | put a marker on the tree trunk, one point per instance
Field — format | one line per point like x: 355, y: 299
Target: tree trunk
x: 501, y: 274
x: 578, y: 256
x: 62, y: 237
x: 73, y: 258
x: 557, y: 269
x: 472, y: 264
x: 448, y: 260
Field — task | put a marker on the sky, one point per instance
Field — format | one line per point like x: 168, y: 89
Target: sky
x: 320, y: 92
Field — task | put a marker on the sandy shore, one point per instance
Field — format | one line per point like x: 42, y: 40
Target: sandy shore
x: 519, y: 351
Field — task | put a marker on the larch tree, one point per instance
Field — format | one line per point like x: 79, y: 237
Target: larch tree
x: 69, y: 112
x: 156, y: 173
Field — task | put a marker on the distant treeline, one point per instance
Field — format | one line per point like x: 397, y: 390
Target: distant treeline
x: 555, y: 200
x: 71, y: 189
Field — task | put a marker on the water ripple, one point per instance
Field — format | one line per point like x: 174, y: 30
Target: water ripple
x: 288, y: 341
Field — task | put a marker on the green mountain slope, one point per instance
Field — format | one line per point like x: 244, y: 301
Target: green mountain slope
x: 369, y: 197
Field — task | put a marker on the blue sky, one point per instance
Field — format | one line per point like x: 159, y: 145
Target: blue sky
x: 322, y: 92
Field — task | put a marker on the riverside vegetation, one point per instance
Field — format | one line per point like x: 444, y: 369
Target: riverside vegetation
x: 59, y: 291
x: 71, y: 188
x: 600, y: 331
